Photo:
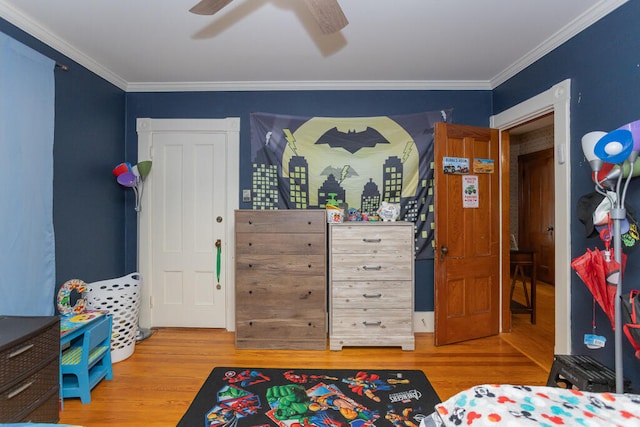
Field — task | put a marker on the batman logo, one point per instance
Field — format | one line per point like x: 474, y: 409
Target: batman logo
x: 352, y: 141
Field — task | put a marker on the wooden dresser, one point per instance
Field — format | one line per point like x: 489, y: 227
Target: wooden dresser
x: 281, y: 284
x: 29, y: 369
x: 371, y: 284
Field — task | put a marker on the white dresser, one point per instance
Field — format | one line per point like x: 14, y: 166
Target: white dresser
x: 371, y: 284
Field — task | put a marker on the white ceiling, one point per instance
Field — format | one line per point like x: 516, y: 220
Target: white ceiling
x: 152, y: 45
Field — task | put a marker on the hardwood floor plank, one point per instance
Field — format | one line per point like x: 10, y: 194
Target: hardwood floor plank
x: 536, y: 341
x: 156, y: 385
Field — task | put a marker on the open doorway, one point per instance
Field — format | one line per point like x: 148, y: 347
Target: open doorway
x: 532, y: 225
x: 556, y: 101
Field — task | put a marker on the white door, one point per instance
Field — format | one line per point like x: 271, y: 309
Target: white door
x: 187, y: 215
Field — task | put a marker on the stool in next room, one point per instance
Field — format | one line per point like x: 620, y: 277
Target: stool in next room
x: 521, y: 259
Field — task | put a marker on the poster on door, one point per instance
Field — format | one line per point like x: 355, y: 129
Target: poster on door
x: 470, y: 197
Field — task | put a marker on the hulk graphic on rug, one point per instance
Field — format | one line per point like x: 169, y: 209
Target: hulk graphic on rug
x: 291, y: 402
x: 261, y: 397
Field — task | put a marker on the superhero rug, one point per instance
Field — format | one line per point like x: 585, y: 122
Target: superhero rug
x: 257, y: 397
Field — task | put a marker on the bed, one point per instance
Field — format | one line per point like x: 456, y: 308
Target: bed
x: 511, y: 405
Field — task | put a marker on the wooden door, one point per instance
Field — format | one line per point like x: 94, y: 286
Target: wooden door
x: 467, y: 239
x: 536, y: 210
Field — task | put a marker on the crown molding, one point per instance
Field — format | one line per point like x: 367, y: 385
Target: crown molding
x: 306, y: 85
x: 582, y: 22
x: 43, y: 34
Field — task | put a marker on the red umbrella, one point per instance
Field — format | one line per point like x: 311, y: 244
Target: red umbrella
x: 600, y: 273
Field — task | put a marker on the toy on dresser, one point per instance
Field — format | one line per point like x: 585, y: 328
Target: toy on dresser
x: 389, y: 211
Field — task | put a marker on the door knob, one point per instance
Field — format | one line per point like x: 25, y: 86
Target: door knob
x: 550, y: 228
x: 443, y: 251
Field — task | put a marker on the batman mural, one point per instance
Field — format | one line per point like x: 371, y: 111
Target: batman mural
x: 300, y: 162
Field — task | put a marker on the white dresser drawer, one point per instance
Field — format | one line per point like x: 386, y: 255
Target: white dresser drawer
x: 371, y: 322
x: 372, y: 239
x: 365, y: 267
x: 372, y: 294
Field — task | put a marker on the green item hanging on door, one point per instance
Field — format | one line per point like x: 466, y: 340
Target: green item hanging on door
x: 219, y: 250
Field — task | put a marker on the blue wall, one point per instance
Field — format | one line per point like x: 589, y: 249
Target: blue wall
x: 469, y: 107
x: 603, y: 65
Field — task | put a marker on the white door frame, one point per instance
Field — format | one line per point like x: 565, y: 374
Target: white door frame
x: 145, y: 128
x: 555, y: 100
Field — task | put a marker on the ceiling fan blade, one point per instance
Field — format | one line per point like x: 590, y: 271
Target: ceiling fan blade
x: 328, y: 14
x: 209, y: 7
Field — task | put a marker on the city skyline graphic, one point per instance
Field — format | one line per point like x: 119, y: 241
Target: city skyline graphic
x: 301, y: 162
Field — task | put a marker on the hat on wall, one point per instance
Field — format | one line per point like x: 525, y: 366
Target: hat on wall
x: 585, y: 208
x: 593, y: 209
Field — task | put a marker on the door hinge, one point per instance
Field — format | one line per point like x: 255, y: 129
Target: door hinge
x: 150, y: 301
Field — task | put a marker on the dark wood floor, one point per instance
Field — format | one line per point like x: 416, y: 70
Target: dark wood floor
x: 155, y: 386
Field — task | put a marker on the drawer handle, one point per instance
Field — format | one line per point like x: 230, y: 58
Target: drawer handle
x: 21, y: 350
x: 19, y: 390
x: 372, y: 240
x: 378, y: 323
x: 372, y: 296
x: 375, y: 268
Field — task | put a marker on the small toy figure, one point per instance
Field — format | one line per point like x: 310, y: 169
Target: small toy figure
x: 354, y: 215
x: 334, y: 213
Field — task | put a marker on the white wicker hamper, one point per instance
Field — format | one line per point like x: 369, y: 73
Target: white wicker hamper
x: 121, y: 297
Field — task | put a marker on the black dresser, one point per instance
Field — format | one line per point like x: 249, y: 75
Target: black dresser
x: 29, y: 369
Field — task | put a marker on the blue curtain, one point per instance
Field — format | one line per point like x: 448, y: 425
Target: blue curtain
x: 27, y: 251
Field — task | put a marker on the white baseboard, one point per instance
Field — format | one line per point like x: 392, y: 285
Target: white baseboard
x: 423, y: 321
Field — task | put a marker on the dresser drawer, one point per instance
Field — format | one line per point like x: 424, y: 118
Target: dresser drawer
x: 372, y: 239
x: 275, y: 244
x: 23, y: 357
x: 373, y: 294
x: 23, y: 397
x: 285, y: 297
x: 377, y: 267
x: 281, y: 221
x: 371, y: 322
x: 272, y: 268
x: 47, y: 412
x: 261, y: 331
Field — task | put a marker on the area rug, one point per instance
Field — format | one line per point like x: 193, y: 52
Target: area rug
x: 257, y: 397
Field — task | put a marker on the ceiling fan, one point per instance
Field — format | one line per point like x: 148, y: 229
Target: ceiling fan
x: 327, y: 13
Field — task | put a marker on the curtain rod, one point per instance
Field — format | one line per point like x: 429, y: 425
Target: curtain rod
x: 62, y: 66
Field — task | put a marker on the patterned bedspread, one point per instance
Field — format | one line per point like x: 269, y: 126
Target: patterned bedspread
x: 509, y: 405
